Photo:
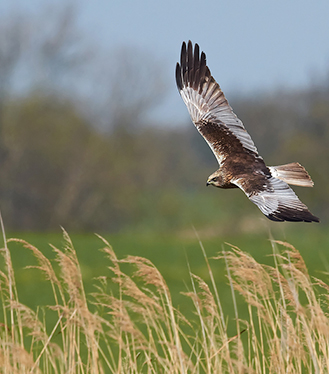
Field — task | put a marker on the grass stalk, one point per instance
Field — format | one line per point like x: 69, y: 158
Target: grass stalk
x: 135, y: 328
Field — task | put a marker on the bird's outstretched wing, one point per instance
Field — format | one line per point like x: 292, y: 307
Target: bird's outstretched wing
x: 276, y: 200
x: 209, y: 108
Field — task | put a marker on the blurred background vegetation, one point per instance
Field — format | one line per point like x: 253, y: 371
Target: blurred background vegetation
x: 78, y: 148
x: 83, y: 145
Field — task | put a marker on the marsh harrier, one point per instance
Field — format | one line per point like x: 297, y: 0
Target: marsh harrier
x: 240, y: 165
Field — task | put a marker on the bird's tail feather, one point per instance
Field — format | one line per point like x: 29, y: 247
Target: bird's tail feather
x: 293, y: 173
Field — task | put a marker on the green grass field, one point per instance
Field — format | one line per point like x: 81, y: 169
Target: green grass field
x: 170, y: 253
x: 275, y: 320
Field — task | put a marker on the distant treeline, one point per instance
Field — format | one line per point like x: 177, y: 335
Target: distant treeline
x: 57, y: 169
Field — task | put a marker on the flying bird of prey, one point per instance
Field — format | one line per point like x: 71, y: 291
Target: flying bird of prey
x: 240, y: 165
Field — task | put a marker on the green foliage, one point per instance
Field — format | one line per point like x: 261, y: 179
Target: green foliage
x: 59, y: 170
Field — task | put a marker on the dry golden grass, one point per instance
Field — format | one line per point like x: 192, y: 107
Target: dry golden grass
x: 136, y: 329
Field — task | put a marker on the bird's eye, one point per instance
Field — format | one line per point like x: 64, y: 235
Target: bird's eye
x: 215, y: 179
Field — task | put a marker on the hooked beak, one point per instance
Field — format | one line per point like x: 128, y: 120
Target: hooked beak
x: 208, y: 183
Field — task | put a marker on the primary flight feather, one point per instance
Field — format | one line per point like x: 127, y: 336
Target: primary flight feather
x: 239, y: 162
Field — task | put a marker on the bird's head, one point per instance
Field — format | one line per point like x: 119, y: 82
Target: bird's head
x: 215, y: 179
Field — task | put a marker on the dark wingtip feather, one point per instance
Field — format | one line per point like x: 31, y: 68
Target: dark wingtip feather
x: 183, y: 55
x: 203, y: 58
x: 192, y: 68
x: 179, y: 77
x: 290, y: 215
x: 196, y: 66
x: 196, y: 54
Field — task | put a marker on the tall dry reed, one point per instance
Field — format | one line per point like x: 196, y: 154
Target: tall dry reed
x: 135, y: 328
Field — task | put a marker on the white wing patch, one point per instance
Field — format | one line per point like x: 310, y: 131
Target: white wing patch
x: 277, y: 200
x: 203, y: 107
x: 196, y: 105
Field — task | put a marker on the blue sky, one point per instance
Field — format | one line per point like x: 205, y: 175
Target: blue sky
x: 251, y: 46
